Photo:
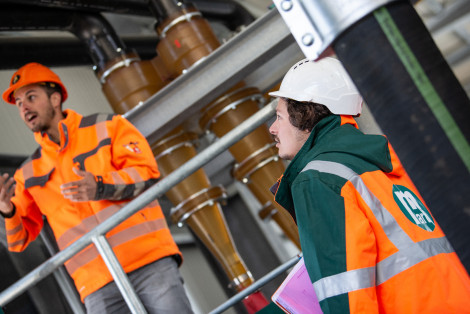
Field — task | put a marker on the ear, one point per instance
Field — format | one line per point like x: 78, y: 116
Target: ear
x: 56, y: 99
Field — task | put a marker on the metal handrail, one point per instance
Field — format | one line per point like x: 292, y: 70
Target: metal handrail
x: 155, y: 191
x: 257, y: 284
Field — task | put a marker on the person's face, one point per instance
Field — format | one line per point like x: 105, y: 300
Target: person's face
x: 289, y: 139
x: 37, y: 110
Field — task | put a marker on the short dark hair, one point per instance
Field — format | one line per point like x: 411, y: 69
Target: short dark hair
x: 51, y: 88
x: 305, y: 115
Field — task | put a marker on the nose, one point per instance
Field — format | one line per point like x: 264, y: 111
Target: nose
x: 24, y: 107
x: 272, y: 128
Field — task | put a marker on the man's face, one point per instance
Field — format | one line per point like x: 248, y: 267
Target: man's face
x: 289, y: 139
x: 35, y: 107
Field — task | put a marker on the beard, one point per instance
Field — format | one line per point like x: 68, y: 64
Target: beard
x: 45, y: 124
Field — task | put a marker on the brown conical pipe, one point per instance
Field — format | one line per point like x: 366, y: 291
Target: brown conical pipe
x: 184, y: 43
x: 127, y: 81
x: 185, y: 39
x: 197, y: 204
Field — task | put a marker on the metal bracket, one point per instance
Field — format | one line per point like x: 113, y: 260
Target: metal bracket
x: 316, y: 24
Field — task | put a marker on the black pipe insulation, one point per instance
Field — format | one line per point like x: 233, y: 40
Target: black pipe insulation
x: 99, y: 36
x: 420, y: 106
x: 228, y: 12
x: 91, y: 28
x: 62, y: 51
x: 162, y: 9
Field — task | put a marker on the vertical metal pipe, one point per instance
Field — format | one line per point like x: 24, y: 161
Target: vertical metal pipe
x: 63, y: 279
x: 120, y: 277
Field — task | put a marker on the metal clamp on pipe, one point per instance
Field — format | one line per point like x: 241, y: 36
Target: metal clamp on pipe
x: 237, y: 281
x: 124, y: 62
x: 316, y: 24
x: 182, y: 18
x: 197, y: 201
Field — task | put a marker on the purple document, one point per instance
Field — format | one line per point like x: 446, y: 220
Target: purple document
x: 296, y: 294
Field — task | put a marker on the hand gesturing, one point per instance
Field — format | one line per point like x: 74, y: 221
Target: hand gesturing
x: 7, y: 190
x: 83, y: 190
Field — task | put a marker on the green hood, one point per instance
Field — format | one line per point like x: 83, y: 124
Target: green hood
x: 331, y: 141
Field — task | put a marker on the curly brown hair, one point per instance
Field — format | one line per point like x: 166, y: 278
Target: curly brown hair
x: 305, y: 115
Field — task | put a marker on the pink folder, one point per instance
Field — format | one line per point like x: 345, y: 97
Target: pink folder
x: 296, y: 294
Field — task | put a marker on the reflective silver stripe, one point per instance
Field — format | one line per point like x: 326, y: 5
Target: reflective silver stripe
x: 90, y: 252
x: 15, y: 230
x: 345, y: 282
x: 409, y: 254
x: 21, y: 242
x: 393, y: 231
x: 86, y: 225
x: 373, y: 276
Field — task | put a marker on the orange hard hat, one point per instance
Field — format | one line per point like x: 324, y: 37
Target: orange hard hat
x: 32, y: 73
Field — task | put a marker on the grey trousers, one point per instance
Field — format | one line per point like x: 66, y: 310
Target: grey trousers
x: 159, y: 286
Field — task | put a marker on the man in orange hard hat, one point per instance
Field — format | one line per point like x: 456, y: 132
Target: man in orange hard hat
x: 84, y: 171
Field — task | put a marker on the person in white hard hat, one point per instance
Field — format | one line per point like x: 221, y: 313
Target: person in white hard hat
x: 369, y: 242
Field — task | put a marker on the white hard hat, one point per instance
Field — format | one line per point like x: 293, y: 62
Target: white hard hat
x: 323, y: 82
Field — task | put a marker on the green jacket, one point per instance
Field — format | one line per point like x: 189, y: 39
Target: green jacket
x: 370, y: 244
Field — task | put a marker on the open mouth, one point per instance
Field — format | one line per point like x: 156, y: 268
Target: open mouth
x: 29, y: 117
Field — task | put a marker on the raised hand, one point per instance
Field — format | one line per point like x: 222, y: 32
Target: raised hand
x: 7, y: 189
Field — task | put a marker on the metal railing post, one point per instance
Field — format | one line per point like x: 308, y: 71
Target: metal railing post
x: 120, y: 277
x: 63, y: 280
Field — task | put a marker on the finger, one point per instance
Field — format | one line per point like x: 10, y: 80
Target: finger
x: 12, y: 191
x: 71, y: 196
x: 9, y: 183
x: 5, y: 186
x: 3, y: 178
x: 69, y: 192
x: 70, y: 185
x: 79, y: 172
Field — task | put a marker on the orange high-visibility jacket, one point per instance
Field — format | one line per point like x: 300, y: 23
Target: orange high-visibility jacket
x: 369, y: 242
x: 119, y: 156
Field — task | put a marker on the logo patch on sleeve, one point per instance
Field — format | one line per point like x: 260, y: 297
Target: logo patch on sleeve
x: 413, y: 208
x: 133, y: 147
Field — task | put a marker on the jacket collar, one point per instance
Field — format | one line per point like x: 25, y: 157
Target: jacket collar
x: 67, y: 126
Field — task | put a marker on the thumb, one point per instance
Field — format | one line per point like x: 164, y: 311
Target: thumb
x: 78, y: 172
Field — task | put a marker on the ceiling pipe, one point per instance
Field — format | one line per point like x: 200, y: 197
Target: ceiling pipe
x: 92, y: 29
x: 62, y: 51
x: 103, y: 43
x: 227, y: 12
